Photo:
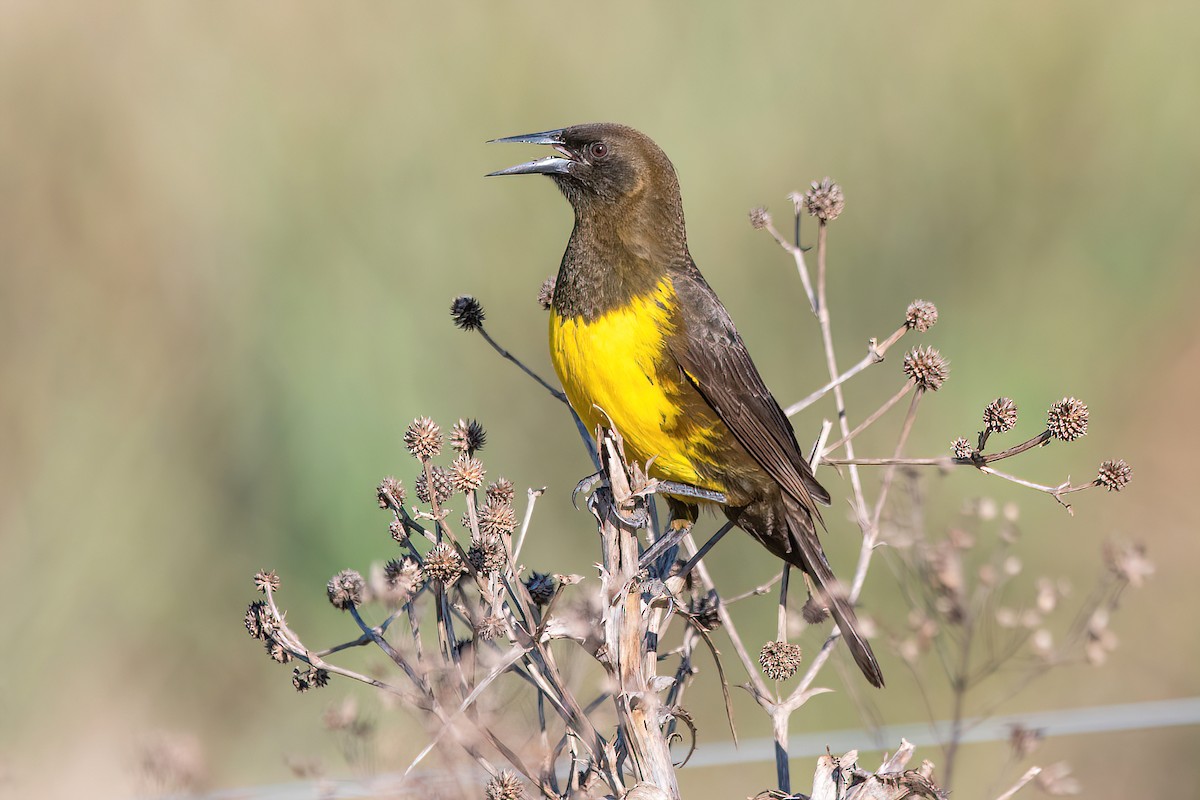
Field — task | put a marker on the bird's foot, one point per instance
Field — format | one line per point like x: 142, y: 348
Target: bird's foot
x: 682, y: 490
x: 678, y: 529
x: 584, y: 486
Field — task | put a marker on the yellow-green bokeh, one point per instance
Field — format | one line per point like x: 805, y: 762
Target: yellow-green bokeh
x: 229, y: 234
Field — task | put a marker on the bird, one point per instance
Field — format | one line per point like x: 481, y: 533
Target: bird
x: 641, y: 343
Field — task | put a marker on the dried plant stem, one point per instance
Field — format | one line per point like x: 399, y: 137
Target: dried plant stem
x: 875, y: 354
x: 1032, y: 773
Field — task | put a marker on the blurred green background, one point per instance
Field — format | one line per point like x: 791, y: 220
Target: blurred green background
x: 230, y: 232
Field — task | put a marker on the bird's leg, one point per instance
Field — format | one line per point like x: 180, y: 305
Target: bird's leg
x: 683, y: 516
x: 683, y: 490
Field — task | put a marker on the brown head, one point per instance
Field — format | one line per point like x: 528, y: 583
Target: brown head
x: 609, y: 172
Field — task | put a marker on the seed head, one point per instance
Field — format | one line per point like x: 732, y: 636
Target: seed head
x: 402, y: 578
x: 489, y: 628
x: 1067, y: 419
x: 467, y: 473
x: 541, y: 587
x: 488, y: 556
x: 1114, y: 475
x: 266, y: 581
x: 545, y: 295
x: 443, y: 485
x: 277, y: 651
x: 962, y: 449
x: 779, y: 660
x: 423, y: 438
x: 813, y: 612
x: 501, y: 490
x: 467, y: 436
x: 346, y: 589
x: 1127, y: 560
x: 926, y: 367
x: 443, y: 563
x: 390, y: 493
x: 759, y: 218
x: 398, y: 531
x: 311, y: 678
x: 505, y: 786
x: 260, y: 623
x: 824, y: 200
x: 467, y: 312
x: 921, y: 316
x: 1000, y: 415
x: 497, y: 518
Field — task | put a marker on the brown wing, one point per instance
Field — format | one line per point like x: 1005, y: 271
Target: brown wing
x: 715, y: 359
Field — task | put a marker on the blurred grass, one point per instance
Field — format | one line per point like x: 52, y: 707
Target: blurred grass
x: 229, y: 234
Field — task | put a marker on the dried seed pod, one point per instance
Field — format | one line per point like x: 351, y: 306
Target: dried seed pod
x: 467, y: 436
x: 1067, y: 419
x: 346, y: 589
x: 505, y: 786
x: 443, y: 484
x: 467, y: 473
x: 962, y: 449
x: 541, y: 587
x: 1114, y: 475
x: 920, y: 316
x: 497, y: 518
x: 443, y: 563
x: 779, y: 660
x: 824, y: 200
x: 467, y: 312
x: 1000, y: 415
x: 266, y: 581
x: 926, y: 367
x: 500, y: 489
x: 759, y: 218
x: 423, y: 438
x: 390, y: 492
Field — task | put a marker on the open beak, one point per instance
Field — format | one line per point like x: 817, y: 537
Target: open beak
x: 550, y: 165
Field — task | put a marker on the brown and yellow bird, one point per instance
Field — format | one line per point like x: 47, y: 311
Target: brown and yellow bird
x: 639, y: 338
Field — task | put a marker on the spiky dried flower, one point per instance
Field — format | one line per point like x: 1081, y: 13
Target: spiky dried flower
x: 443, y: 485
x: 398, y: 531
x: 265, y: 580
x: 926, y: 367
x: 500, y: 490
x: 490, y: 627
x: 541, y: 587
x: 813, y: 612
x: 962, y: 449
x: 505, y: 786
x: 260, y: 622
x: 277, y: 651
x: 825, y: 200
x: 467, y: 472
x: 921, y: 316
x: 1000, y: 415
x: 779, y: 660
x: 467, y: 436
x: 1114, y: 475
x: 488, y: 556
x: 423, y: 438
x: 1067, y: 419
x: 390, y: 493
x: 402, y: 578
x: 545, y: 295
x: 311, y: 678
x: 346, y: 589
x: 1127, y: 560
x: 443, y: 563
x: 497, y: 518
x: 467, y: 312
x: 759, y: 218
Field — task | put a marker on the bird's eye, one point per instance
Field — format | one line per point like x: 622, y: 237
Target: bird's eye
x: 598, y: 150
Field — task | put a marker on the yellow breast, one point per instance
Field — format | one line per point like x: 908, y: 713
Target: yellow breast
x: 616, y: 363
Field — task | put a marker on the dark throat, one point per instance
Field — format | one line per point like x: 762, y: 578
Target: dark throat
x: 616, y: 253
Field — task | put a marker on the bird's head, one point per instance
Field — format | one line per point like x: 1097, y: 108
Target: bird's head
x: 602, y: 165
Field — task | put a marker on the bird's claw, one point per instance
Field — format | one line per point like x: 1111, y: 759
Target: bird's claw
x: 585, y: 486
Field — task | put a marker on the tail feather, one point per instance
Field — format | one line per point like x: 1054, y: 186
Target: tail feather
x: 806, y: 554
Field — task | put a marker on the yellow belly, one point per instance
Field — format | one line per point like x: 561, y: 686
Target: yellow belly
x: 610, y: 370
